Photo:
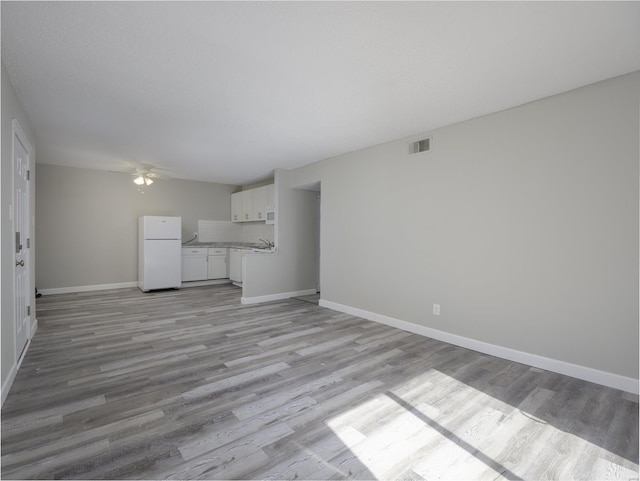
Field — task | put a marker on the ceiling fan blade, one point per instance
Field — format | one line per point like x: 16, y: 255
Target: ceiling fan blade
x: 149, y: 171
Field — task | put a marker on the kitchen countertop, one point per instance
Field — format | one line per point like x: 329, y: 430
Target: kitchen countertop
x: 237, y: 245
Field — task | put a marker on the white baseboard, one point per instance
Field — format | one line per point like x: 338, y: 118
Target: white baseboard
x: 561, y: 367
x: 122, y: 285
x: 276, y: 297
x: 93, y: 287
x: 6, y: 386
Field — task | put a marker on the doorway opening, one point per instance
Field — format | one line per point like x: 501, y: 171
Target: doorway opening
x: 316, y: 236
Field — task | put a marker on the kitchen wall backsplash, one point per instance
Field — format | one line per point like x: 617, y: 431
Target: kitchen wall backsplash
x: 218, y: 231
x: 254, y: 231
x: 224, y: 231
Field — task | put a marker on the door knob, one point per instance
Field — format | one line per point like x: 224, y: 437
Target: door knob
x: 20, y: 263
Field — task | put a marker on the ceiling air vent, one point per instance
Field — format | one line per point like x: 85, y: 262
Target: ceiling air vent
x: 423, y: 145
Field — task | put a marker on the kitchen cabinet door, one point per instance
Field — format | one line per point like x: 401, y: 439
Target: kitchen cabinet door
x: 247, y: 205
x: 259, y: 203
x: 251, y: 205
x: 217, y: 267
x: 236, y: 207
x: 194, y: 268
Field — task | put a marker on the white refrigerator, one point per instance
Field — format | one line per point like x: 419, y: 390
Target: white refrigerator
x: 159, y: 256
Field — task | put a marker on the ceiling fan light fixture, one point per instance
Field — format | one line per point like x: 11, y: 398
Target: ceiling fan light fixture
x: 143, y: 177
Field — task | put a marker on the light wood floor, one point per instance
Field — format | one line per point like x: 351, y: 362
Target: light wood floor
x: 191, y: 384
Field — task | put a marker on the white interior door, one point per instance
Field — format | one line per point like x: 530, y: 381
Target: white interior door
x: 21, y: 214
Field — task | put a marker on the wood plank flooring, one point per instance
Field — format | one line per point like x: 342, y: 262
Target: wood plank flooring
x: 191, y: 384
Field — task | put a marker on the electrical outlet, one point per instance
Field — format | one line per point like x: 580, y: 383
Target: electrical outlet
x: 436, y: 309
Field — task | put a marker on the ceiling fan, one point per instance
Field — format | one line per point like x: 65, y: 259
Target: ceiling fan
x: 143, y: 175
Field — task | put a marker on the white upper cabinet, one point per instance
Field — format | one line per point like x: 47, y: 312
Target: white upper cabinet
x: 259, y: 203
x: 250, y: 205
x: 236, y: 207
x: 247, y: 206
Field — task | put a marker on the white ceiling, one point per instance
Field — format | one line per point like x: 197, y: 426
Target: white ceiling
x: 228, y: 91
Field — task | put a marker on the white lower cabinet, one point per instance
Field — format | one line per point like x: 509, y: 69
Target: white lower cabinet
x: 194, y: 264
x: 202, y: 263
x: 217, y: 267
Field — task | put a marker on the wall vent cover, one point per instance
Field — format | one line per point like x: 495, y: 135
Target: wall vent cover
x: 418, y: 146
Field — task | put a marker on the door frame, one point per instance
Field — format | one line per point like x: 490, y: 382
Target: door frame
x: 19, y: 135
x: 319, y: 236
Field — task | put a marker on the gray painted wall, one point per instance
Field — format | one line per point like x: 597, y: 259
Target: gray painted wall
x: 87, y: 221
x: 522, y: 225
x: 11, y: 109
x: 293, y: 267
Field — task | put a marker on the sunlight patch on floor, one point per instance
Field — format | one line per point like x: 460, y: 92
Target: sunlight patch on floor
x: 397, y: 434
x: 439, y: 428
